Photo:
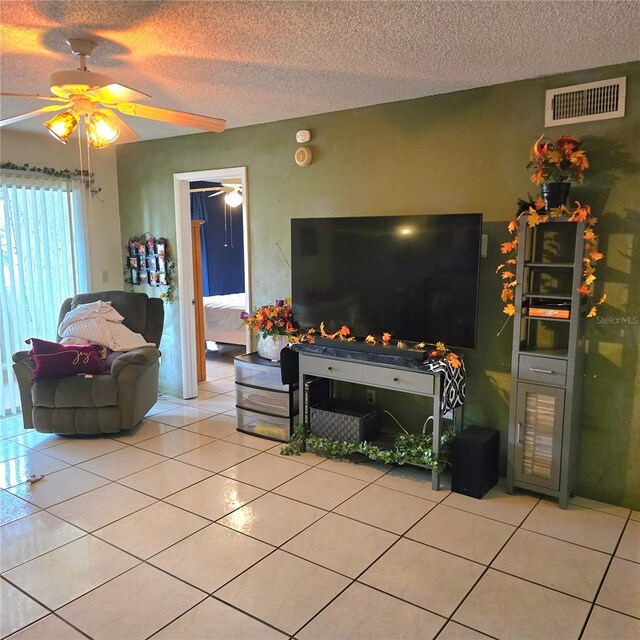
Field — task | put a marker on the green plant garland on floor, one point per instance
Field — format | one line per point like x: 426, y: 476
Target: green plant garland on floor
x: 407, y: 449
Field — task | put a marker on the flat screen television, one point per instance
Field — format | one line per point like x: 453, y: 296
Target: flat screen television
x: 415, y: 277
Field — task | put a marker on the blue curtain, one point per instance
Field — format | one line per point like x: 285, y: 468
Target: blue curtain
x: 199, y: 212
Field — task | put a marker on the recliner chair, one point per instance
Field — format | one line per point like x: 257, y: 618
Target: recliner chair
x: 108, y: 403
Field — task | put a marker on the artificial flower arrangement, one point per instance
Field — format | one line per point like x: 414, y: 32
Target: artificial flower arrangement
x: 439, y: 352
x: 272, y: 319
x: 557, y: 160
x: 553, y: 161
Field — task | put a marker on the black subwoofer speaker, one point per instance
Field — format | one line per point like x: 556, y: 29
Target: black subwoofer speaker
x: 474, y: 461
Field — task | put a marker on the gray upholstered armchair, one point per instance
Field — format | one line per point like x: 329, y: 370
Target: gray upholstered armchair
x: 108, y: 403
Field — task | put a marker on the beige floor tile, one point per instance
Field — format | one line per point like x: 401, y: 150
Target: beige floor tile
x: 216, y: 404
x: 17, y: 609
x: 211, y: 557
x: 12, y: 426
x: 99, y: 507
x: 16, y: 471
x: 49, y: 628
x: 159, y: 407
x: 308, y: 457
x: 122, y: 463
x: 341, y: 544
x: 29, y: 537
x: 553, y: 563
x: 203, y: 394
x: 215, y: 620
x: 223, y: 385
x: 385, y: 508
x: 629, y: 547
x: 265, y: 471
x: 217, y: 456
x: 145, y: 430
x: 635, y: 515
x: 175, y: 443
x: 77, y: 451
x: 39, y: 441
x: 181, y: 415
x: 611, y: 509
x: 216, y: 426
x: 416, y: 573
x: 283, y: 590
x: 586, y: 527
x: 215, y: 497
x: 165, y: 478
x: 70, y: 571
x: 604, y: 624
x: 367, y: 471
x: 496, y: 504
x: 12, y: 507
x: 412, y: 480
x: 455, y: 631
x: 233, y: 413
x: 507, y: 607
x: 247, y: 440
x: 58, y: 486
x: 322, y: 489
x: 133, y: 605
x: 149, y: 531
x: 362, y: 612
x: 272, y: 518
x: 462, y: 533
x: 621, y: 588
x: 10, y: 449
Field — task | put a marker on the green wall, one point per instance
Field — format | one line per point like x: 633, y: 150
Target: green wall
x: 458, y: 152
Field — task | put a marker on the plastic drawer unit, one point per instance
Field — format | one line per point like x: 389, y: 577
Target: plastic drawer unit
x: 265, y: 407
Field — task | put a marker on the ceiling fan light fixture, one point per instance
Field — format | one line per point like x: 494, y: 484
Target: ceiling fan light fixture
x: 62, y: 125
x: 102, y: 130
x: 233, y: 199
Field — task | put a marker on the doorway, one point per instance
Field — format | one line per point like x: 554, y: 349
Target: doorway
x: 187, y: 303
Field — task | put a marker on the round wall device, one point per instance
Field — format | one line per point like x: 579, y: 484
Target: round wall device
x: 303, y: 156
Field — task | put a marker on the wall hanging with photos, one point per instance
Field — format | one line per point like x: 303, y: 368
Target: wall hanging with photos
x: 149, y: 263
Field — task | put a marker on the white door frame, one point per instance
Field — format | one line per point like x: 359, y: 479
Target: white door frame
x: 185, y: 268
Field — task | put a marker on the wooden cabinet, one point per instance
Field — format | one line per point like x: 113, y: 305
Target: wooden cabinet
x: 547, y: 359
x: 201, y: 349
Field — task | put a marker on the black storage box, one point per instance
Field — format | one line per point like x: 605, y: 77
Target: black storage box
x: 340, y: 420
x: 474, y: 461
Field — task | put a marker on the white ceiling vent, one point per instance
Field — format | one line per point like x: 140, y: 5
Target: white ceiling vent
x: 586, y: 102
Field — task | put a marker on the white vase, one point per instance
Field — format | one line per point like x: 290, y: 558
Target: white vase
x: 269, y: 347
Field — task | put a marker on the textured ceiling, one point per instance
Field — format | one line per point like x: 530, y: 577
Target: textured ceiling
x: 253, y: 62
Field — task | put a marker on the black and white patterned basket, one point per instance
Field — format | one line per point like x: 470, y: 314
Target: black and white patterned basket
x: 340, y: 420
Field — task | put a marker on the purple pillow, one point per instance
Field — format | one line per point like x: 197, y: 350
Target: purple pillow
x: 53, y: 360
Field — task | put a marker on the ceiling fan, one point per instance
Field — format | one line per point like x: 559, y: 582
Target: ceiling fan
x: 94, y: 97
x: 232, y: 193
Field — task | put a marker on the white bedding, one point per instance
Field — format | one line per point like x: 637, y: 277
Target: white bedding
x: 222, y: 321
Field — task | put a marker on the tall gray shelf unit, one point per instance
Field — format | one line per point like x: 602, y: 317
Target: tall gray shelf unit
x: 547, y: 360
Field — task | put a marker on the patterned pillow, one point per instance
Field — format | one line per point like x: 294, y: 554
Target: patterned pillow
x: 53, y: 360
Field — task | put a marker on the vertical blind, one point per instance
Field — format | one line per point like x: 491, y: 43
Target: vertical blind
x: 43, y: 261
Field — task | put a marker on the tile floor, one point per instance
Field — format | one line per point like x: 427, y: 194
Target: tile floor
x: 186, y: 529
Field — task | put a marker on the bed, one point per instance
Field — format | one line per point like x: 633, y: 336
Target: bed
x: 222, y: 318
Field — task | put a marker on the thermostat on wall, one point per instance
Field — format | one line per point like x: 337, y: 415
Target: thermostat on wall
x: 303, y: 156
x: 303, y: 136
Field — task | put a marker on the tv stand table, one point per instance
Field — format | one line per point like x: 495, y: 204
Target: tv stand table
x: 376, y: 374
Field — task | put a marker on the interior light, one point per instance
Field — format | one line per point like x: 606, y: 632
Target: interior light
x: 406, y: 231
x: 101, y: 129
x: 233, y: 199
x: 62, y: 125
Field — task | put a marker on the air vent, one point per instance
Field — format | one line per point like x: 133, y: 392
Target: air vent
x: 586, y: 102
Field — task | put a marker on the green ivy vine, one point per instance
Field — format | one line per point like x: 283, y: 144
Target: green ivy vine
x: 407, y: 449
x: 63, y: 174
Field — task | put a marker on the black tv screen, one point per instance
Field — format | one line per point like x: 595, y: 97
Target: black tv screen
x: 415, y: 277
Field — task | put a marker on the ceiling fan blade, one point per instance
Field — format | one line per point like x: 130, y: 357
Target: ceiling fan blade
x: 31, y: 114
x: 213, y: 195
x: 173, y: 117
x: 112, y: 93
x: 127, y: 134
x: 33, y: 95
